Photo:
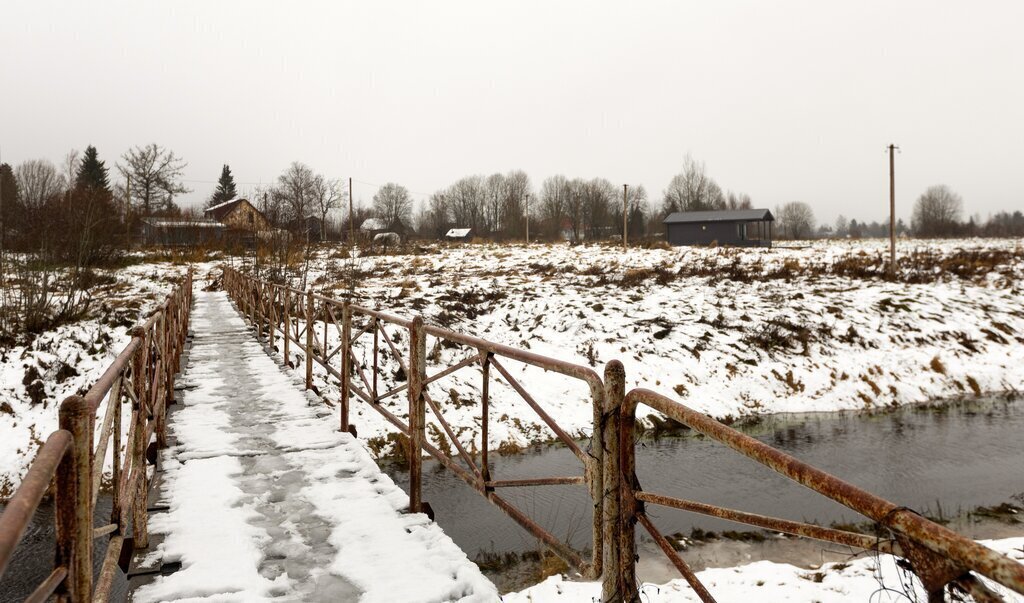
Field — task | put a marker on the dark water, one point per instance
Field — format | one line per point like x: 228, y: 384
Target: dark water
x: 937, y: 461
x: 33, y: 559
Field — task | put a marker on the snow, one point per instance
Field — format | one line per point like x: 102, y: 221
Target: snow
x: 269, y: 500
x: 219, y: 205
x: 859, y: 580
x: 788, y: 333
x: 88, y: 346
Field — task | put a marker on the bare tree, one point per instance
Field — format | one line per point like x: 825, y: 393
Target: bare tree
x: 795, y: 220
x: 155, y: 175
x: 738, y: 201
x: 435, y: 220
x: 494, y: 195
x: 554, y: 197
x: 392, y: 204
x: 842, y: 226
x: 517, y: 187
x: 937, y: 212
x: 69, y: 166
x: 38, y: 182
x: 692, y: 190
x: 466, y: 199
x: 294, y: 192
x: 327, y: 195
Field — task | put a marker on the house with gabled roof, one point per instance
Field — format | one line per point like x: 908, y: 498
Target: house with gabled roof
x: 238, y: 214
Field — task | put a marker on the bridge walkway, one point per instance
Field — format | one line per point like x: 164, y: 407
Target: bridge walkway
x: 260, y: 497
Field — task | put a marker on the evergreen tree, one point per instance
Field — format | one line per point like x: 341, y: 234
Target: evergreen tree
x: 9, y: 207
x: 92, y: 173
x: 225, y: 188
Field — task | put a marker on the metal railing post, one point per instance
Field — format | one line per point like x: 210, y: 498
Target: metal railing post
x: 485, y: 415
x: 346, y: 362
x: 309, y: 340
x: 287, y: 325
x: 626, y: 478
x: 613, y: 580
x: 74, y: 502
x: 140, y: 516
x: 417, y: 412
x: 272, y: 319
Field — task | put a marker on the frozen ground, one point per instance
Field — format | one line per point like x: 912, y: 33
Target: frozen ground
x: 35, y: 377
x: 269, y: 501
x: 877, y: 580
x: 729, y: 332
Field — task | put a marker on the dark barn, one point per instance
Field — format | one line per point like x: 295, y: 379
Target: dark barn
x: 737, y: 228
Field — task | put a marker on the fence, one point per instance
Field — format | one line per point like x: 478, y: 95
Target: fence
x: 941, y: 558
x: 142, y: 374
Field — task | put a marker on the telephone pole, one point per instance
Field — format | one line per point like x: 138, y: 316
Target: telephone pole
x: 625, y: 216
x: 892, y: 210
x: 351, y: 221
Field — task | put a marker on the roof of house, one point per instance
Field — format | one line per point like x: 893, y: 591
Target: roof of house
x: 222, y: 209
x: 733, y: 215
x: 180, y: 223
x: 458, y: 233
x: 373, y: 224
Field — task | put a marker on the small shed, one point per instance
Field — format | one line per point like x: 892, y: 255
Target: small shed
x: 737, y: 228
x: 459, y: 234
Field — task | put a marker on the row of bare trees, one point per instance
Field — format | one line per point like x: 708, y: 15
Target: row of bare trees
x: 500, y: 205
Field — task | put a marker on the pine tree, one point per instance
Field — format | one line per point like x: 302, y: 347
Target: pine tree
x: 92, y: 173
x: 225, y: 188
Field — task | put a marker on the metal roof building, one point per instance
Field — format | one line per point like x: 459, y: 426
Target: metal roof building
x: 739, y: 228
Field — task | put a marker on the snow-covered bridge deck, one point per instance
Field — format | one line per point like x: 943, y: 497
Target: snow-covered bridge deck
x: 268, y: 500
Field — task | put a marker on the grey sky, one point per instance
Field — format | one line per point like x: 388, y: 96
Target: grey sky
x: 782, y: 100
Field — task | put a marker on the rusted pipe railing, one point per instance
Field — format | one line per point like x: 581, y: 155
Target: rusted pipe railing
x: 142, y: 374
x: 938, y: 555
x: 322, y: 310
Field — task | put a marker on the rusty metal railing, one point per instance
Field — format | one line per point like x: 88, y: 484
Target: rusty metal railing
x: 940, y: 557
x: 278, y: 309
x: 72, y: 458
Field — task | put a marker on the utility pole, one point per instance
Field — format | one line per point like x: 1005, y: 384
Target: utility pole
x: 625, y: 216
x: 527, y: 218
x: 351, y: 221
x: 892, y: 210
x: 128, y: 210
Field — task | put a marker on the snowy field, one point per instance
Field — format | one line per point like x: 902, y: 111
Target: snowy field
x: 37, y: 376
x: 729, y: 332
x: 878, y: 580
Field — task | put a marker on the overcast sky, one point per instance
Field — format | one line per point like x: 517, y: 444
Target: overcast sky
x: 782, y: 100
